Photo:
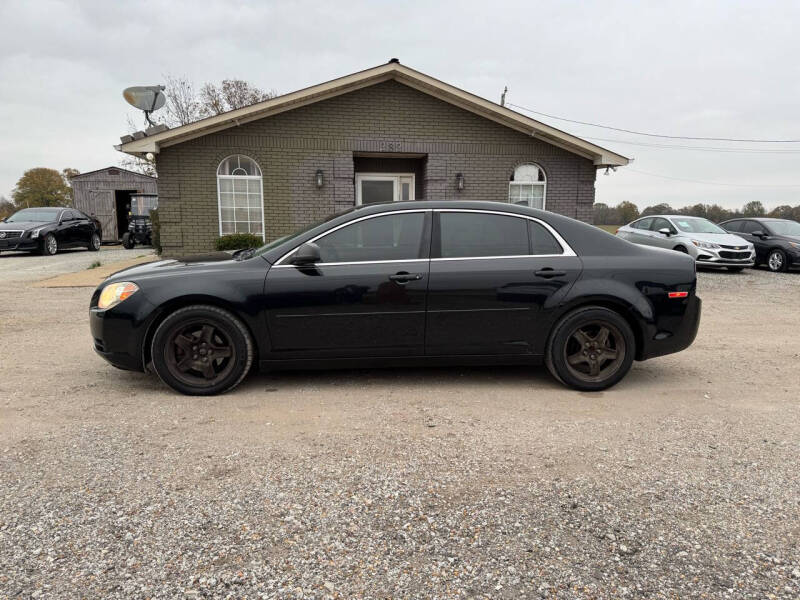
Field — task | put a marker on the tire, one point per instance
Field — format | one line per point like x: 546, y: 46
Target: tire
x: 49, y: 245
x: 127, y: 240
x: 735, y: 269
x: 681, y: 249
x: 573, y: 365
x: 776, y: 261
x: 210, y: 333
x: 94, y: 242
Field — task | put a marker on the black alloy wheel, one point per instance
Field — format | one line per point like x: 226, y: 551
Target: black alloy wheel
x: 591, y: 349
x: 776, y: 261
x: 202, y: 350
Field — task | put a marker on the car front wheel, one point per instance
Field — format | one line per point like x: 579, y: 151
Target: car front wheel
x: 591, y: 349
x: 202, y: 350
x: 49, y: 245
x: 776, y: 261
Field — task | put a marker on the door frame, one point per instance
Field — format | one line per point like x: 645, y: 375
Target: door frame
x: 394, y: 177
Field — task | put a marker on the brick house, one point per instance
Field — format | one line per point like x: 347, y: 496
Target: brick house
x: 386, y: 133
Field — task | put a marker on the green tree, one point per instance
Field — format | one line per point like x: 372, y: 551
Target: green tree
x: 627, y: 211
x: 754, y: 208
x: 7, y: 207
x: 42, y: 187
x: 782, y: 212
x: 717, y: 213
x: 658, y: 209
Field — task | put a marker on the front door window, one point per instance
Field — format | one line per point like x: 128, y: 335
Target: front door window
x: 372, y: 188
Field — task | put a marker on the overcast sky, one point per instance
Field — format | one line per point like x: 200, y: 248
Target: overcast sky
x: 716, y: 69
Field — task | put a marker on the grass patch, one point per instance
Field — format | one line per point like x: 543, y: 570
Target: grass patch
x: 94, y: 265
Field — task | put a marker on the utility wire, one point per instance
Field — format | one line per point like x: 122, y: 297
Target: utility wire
x: 745, y: 185
x: 700, y: 148
x: 657, y: 135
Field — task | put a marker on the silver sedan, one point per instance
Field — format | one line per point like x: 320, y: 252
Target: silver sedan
x: 709, y: 244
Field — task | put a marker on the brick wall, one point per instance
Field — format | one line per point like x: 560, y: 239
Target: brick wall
x: 387, y: 117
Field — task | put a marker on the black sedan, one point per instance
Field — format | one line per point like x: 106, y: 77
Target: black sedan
x: 411, y: 283
x: 777, y: 241
x: 47, y: 230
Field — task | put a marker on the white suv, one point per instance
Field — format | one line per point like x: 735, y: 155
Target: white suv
x: 709, y: 244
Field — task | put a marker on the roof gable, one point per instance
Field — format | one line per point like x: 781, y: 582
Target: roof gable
x: 601, y: 157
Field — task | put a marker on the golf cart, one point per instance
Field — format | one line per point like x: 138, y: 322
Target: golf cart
x: 140, y: 226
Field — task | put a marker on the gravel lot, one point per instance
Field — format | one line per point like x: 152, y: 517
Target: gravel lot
x: 24, y: 266
x: 681, y: 482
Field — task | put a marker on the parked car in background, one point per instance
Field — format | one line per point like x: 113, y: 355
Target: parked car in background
x: 776, y: 241
x: 404, y: 283
x: 709, y: 244
x: 48, y: 229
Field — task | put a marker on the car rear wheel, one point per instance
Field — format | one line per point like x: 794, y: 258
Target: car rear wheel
x: 49, y: 245
x: 776, y: 261
x: 202, y: 350
x: 591, y: 349
x: 94, y: 242
x: 127, y: 240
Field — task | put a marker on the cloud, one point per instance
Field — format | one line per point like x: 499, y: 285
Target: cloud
x: 722, y: 69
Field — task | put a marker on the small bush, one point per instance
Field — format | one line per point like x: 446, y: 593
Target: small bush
x: 238, y: 241
x: 94, y: 265
x: 156, y: 234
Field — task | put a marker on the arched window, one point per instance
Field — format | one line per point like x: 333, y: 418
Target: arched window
x: 241, y: 204
x: 528, y: 186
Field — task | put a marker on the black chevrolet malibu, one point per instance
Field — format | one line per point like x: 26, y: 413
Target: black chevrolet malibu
x: 411, y: 283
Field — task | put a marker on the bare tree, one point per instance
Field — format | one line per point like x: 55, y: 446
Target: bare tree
x: 230, y: 95
x: 182, y: 105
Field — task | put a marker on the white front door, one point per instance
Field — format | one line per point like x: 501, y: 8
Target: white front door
x: 384, y: 187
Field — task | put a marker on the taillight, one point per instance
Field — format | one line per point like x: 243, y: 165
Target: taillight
x: 617, y: 231
x: 677, y: 294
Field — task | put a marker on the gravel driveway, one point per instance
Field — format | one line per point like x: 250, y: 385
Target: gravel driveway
x: 681, y: 482
x: 25, y: 266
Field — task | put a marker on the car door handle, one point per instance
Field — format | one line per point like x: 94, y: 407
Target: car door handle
x: 402, y: 278
x: 548, y: 273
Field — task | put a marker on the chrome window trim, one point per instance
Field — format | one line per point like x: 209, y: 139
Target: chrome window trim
x: 568, y: 251
x: 279, y: 262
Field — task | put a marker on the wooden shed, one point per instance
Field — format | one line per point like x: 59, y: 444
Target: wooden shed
x: 106, y: 194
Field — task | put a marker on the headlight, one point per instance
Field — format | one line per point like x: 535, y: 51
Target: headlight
x: 35, y: 232
x: 114, y: 293
x: 709, y: 245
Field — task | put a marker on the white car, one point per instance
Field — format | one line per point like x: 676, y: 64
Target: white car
x: 709, y: 244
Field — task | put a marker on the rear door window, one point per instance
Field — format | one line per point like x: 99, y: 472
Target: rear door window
x: 643, y: 223
x: 660, y: 223
x: 476, y: 235
x: 750, y: 226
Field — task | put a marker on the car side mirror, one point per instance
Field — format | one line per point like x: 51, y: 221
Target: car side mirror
x: 665, y: 231
x: 759, y: 233
x: 307, y: 254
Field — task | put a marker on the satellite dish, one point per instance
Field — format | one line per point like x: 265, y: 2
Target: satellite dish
x: 147, y: 98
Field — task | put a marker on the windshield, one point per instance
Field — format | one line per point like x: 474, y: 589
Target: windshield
x: 35, y: 215
x: 697, y: 225
x: 791, y: 228
x: 299, y: 232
